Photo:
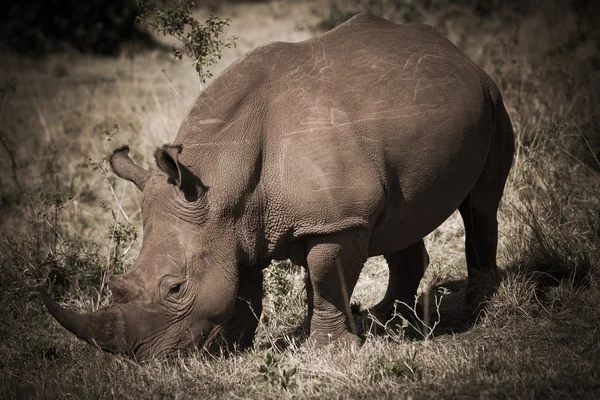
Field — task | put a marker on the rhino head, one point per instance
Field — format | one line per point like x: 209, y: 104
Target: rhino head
x: 184, y: 290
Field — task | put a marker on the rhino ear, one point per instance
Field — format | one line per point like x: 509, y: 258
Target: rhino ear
x: 167, y: 160
x: 125, y: 168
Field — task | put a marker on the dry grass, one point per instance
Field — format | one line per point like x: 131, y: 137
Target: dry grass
x: 539, y: 338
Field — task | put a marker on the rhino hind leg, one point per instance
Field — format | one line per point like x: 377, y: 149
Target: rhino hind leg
x: 406, y: 267
x: 481, y: 241
x: 479, y: 213
x: 334, y: 263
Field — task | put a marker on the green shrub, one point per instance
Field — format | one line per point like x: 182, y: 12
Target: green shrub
x: 199, y: 41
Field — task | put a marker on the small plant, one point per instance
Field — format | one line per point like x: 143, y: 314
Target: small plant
x: 47, y: 253
x: 422, y: 324
x: 200, y: 42
x: 122, y: 233
x: 277, y: 278
x: 284, y: 301
x: 272, y: 372
x: 101, y: 166
x: 407, y: 369
x: 52, y: 254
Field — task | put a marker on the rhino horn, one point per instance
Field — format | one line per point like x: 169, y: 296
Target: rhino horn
x: 125, y: 168
x: 104, y: 328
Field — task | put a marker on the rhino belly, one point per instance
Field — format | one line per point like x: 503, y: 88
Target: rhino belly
x: 425, y: 188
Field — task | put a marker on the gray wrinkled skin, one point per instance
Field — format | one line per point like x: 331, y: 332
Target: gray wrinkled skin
x: 358, y: 142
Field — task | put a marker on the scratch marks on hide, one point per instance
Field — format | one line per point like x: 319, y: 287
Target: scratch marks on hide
x: 177, y: 263
x: 215, y: 132
x: 405, y: 73
x: 209, y: 121
x: 336, y: 117
x: 219, y: 143
x: 327, y: 188
x: 324, y: 59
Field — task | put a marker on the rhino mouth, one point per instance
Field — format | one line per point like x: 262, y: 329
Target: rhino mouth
x: 210, y: 343
x: 214, y: 342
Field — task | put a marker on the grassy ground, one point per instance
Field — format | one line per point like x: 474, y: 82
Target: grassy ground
x: 60, y: 218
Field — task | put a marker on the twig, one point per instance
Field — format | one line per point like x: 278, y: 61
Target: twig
x: 13, y: 162
x: 56, y: 234
x: 346, y: 297
x: 43, y: 122
x: 128, y: 248
x: 579, y: 161
x: 66, y: 203
x: 19, y: 255
x: 108, y: 263
x: 118, y: 203
x: 136, y: 212
x: 55, y: 214
x: 586, y: 142
x: 36, y: 224
x: 426, y: 330
x: 173, y: 88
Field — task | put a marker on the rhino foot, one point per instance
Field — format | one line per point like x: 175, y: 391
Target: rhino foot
x: 347, y: 340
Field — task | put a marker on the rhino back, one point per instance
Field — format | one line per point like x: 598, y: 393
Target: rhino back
x: 372, y: 125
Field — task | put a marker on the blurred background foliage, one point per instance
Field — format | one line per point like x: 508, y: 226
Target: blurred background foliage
x: 38, y: 27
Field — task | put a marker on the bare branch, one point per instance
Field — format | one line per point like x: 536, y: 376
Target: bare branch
x: 13, y: 162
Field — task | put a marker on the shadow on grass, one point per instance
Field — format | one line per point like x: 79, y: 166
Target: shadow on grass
x: 446, y: 304
x: 442, y: 308
x: 454, y: 317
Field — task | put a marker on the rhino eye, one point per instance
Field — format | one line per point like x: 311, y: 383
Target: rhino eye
x: 175, y: 288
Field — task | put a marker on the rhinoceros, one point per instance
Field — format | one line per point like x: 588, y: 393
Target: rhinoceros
x: 356, y: 143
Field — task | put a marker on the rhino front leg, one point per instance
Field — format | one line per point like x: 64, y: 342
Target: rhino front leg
x: 334, y: 263
x: 310, y: 303
x: 241, y: 327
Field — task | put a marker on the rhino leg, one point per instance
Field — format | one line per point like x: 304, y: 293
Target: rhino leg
x: 310, y: 300
x: 334, y: 263
x: 407, y: 267
x: 481, y: 241
x: 479, y: 212
x: 239, y: 331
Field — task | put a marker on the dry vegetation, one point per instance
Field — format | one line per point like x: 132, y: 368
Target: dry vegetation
x: 61, y: 220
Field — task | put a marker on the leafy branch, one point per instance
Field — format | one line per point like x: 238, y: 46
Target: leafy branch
x: 199, y: 41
